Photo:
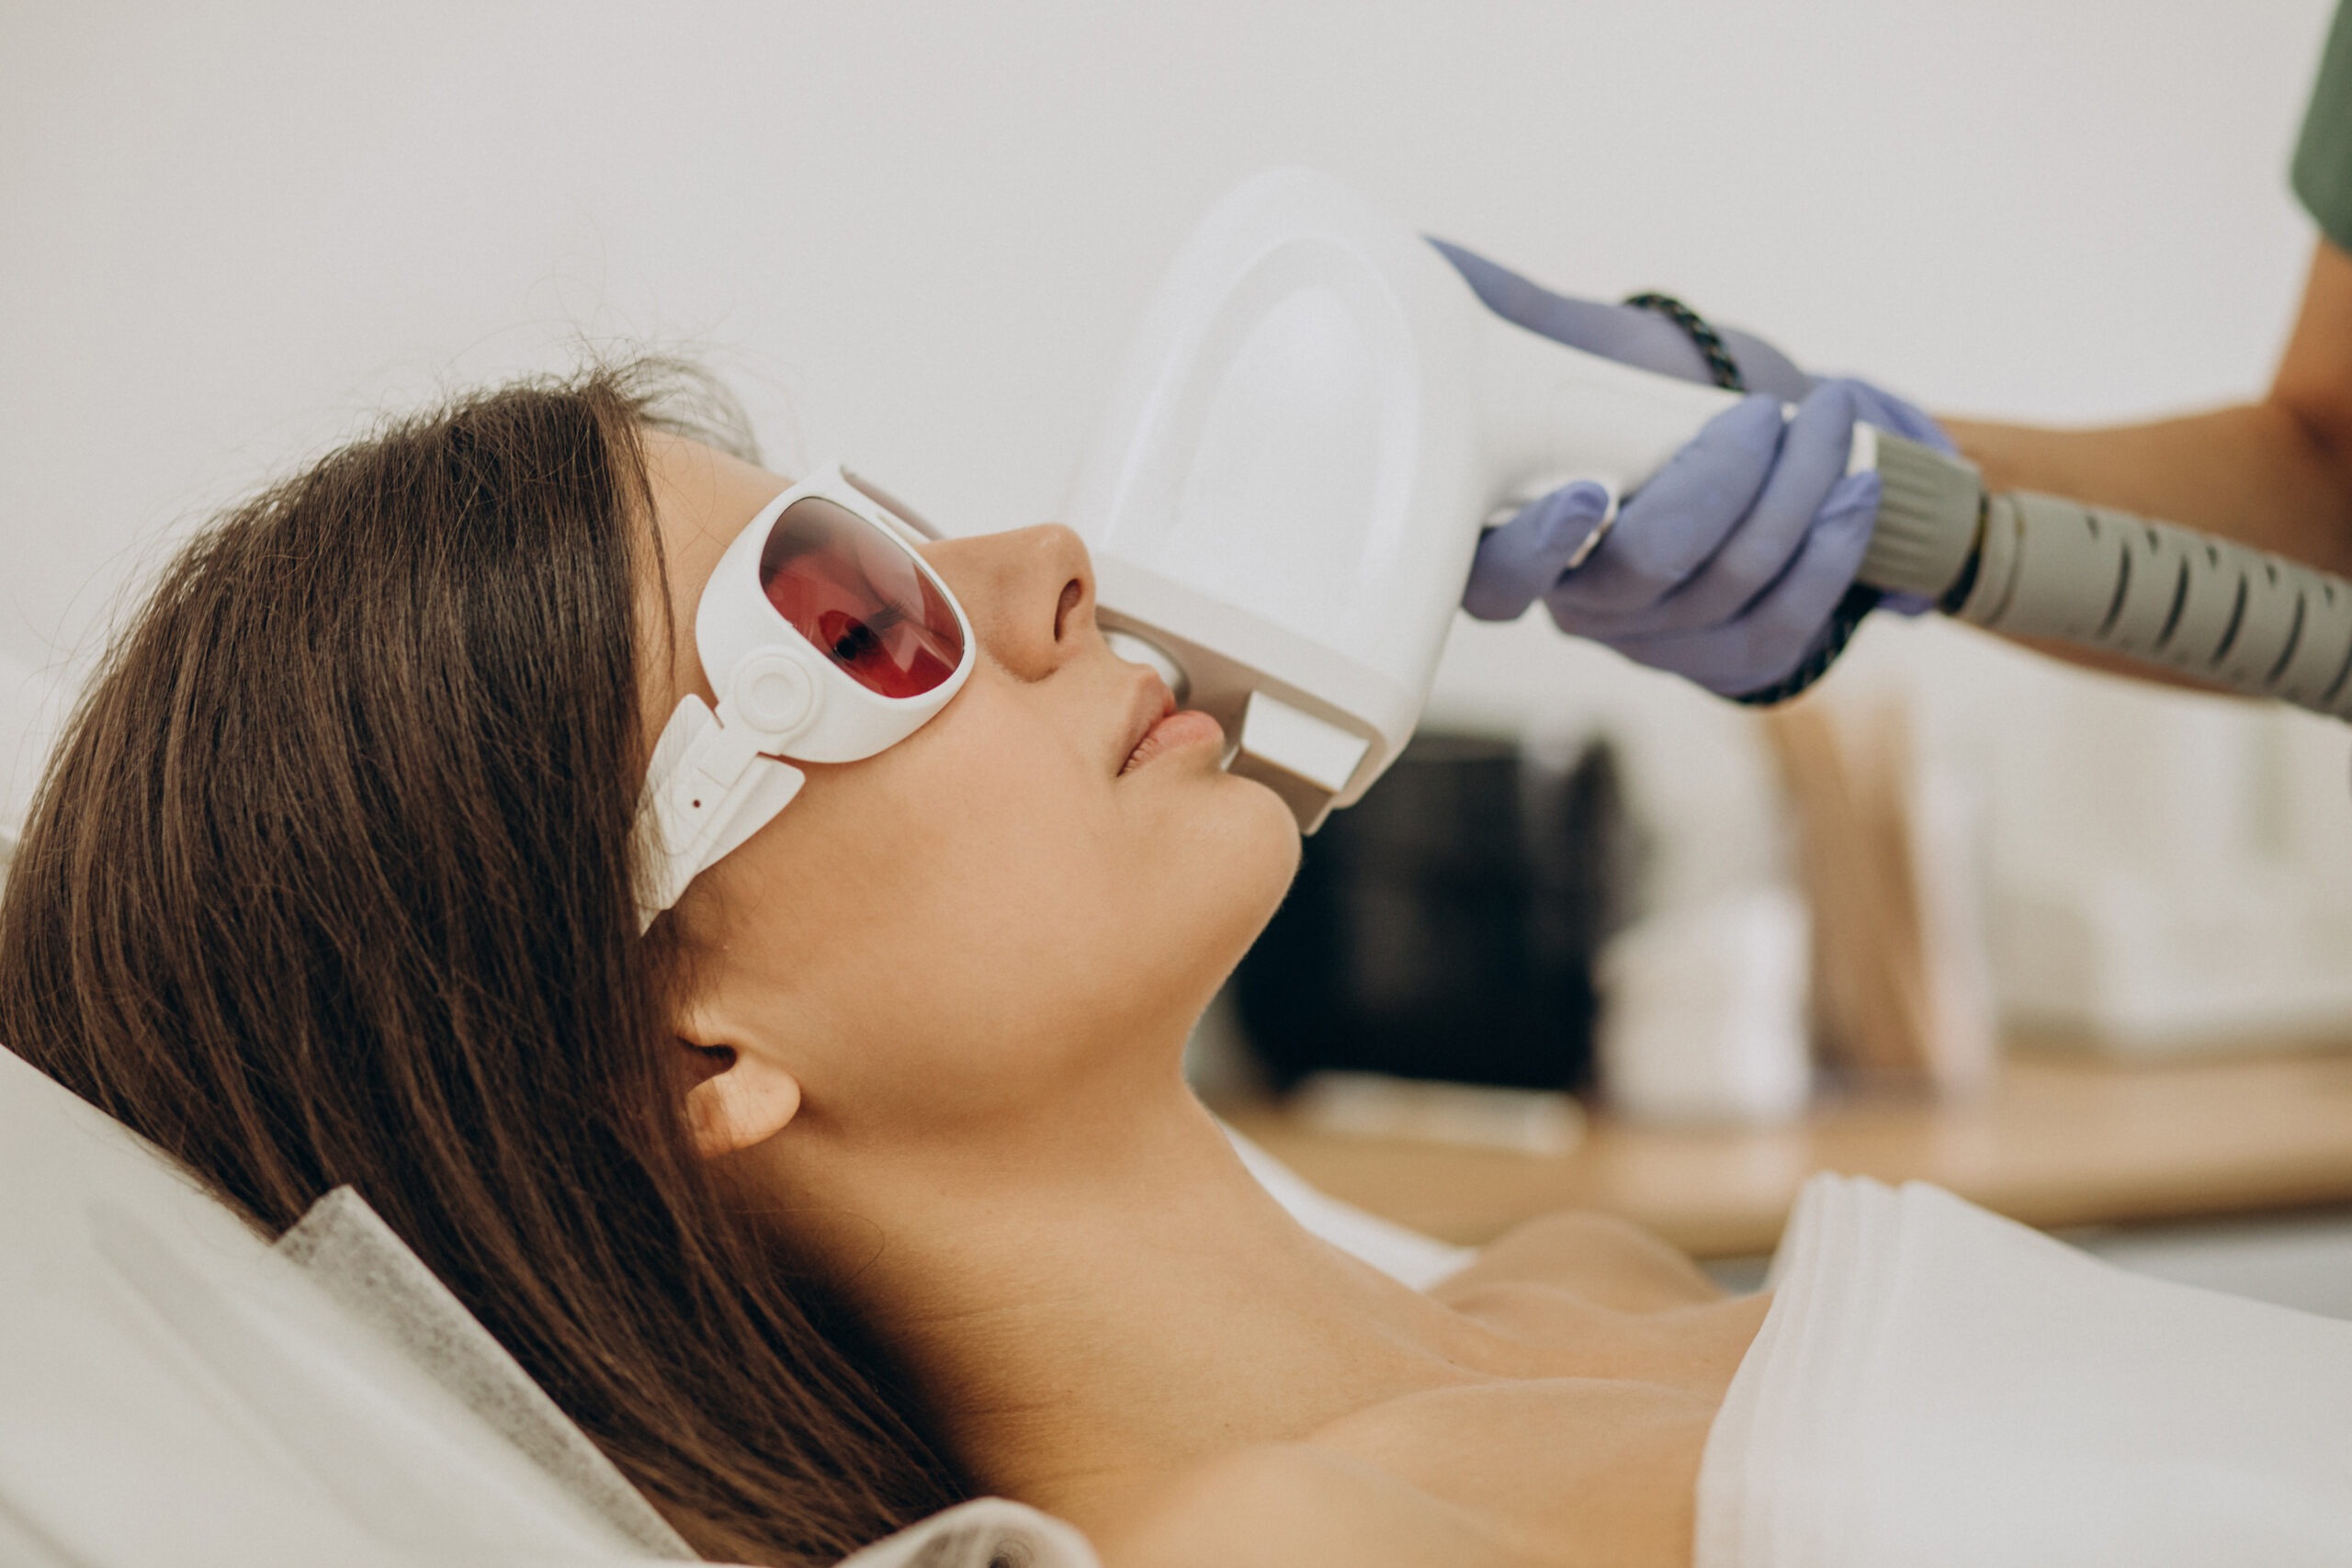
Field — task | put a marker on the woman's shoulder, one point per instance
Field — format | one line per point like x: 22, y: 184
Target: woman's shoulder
x: 1585, y: 1295
x: 1598, y: 1257
x: 1555, y: 1473
x: 1585, y: 1449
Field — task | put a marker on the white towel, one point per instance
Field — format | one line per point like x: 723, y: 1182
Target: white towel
x: 1937, y: 1386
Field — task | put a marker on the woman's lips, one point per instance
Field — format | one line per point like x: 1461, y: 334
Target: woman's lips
x: 1185, y: 726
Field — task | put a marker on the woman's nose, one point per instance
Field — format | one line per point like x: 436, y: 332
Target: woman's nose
x: 1030, y: 594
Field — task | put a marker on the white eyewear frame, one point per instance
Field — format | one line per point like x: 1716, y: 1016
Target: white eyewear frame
x: 719, y: 776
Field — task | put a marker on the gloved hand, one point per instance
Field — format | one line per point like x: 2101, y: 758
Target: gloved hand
x: 1730, y: 565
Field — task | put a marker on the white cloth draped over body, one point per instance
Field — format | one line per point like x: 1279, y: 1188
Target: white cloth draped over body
x: 1937, y: 1387
x: 1932, y: 1386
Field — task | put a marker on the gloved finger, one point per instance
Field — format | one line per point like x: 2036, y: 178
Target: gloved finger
x: 1888, y: 412
x: 1764, y: 367
x: 1782, y: 628
x: 1640, y: 338
x: 1767, y: 543
x: 1518, y: 561
x: 1674, y: 525
x: 1625, y: 333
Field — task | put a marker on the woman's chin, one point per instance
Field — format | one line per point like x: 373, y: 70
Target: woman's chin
x: 1281, y: 832
x: 1262, y: 851
x: 1221, y: 853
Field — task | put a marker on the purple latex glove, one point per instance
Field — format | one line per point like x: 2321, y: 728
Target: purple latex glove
x: 1727, y: 566
x: 1724, y: 567
x: 1625, y: 333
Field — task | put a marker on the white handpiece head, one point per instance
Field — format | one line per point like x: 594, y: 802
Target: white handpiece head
x: 1289, y: 478
x: 1319, y: 414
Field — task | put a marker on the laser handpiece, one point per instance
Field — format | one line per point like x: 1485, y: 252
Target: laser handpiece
x: 1318, y: 415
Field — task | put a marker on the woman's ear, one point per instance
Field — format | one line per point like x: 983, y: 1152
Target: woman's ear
x: 741, y: 1098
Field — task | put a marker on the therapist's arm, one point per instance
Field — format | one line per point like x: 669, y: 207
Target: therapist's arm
x: 2276, y: 474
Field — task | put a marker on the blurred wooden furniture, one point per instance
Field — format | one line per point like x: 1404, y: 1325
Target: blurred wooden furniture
x: 2056, y: 1141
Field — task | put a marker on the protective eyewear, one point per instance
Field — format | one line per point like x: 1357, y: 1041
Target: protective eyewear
x: 828, y: 640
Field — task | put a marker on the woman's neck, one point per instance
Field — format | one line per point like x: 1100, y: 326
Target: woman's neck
x: 1096, y: 1300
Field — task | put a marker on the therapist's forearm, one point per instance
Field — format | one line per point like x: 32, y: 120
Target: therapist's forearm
x: 2248, y: 474
x: 2255, y: 474
x: 2276, y: 474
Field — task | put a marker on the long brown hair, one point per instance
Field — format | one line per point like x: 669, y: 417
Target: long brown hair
x: 330, y: 881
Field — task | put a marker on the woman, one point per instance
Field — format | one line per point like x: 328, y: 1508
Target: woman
x: 866, y: 1178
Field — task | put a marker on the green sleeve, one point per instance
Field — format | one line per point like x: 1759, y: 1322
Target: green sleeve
x: 2323, y: 157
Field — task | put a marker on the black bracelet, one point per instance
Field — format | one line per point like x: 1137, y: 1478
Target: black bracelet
x: 1857, y: 603
x: 1705, y: 338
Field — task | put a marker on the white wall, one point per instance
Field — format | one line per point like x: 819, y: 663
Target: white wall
x: 915, y: 234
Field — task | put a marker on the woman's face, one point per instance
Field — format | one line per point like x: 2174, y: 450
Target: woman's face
x: 1012, y: 903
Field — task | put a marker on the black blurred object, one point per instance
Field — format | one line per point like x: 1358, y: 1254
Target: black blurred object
x: 1445, y: 925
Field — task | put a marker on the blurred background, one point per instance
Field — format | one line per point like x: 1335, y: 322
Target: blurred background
x: 916, y: 235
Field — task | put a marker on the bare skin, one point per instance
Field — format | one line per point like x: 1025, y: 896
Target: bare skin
x: 938, y: 1013
x: 2275, y: 474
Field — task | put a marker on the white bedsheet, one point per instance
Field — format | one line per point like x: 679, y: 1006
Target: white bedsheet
x: 1937, y: 1386
x: 176, y: 1393
x: 1405, y: 1256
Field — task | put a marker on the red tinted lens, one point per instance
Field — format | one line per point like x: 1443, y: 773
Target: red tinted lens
x: 856, y: 594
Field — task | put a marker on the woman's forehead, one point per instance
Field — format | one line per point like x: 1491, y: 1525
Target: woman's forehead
x: 702, y: 498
